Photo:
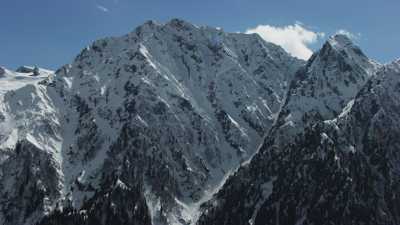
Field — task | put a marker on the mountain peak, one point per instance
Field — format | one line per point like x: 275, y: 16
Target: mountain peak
x: 341, y: 48
x: 342, y: 45
x: 340, y: 41
x: 150, y: 24
x: 180, y: 24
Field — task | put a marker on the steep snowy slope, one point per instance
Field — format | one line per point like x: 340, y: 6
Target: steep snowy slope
x: 15, y: 89
x: 28, y: 141
x: 141, y: 128
x: 318, y: 92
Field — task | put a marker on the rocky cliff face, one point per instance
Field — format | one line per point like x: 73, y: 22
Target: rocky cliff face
x: 138, y: 129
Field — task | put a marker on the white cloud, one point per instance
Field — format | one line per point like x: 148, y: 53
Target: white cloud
x: 349, y: 34
x: 293, y: 38
x: 102, y: 8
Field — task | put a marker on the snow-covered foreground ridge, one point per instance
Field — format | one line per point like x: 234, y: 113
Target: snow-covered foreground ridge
x: 163, y: 126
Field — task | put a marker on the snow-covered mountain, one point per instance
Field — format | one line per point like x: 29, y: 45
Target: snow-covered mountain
x: 139, y: 129
x: 339, y: 165
x: 179, y: 124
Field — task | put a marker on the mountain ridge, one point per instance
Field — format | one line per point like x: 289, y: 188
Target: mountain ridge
x: 181, y: 124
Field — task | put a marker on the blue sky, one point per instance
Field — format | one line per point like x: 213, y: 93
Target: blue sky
x: 49, y: 33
